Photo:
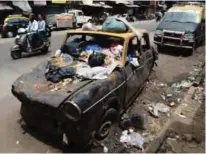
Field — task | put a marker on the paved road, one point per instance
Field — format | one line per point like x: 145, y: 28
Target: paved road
x: 12, y: 140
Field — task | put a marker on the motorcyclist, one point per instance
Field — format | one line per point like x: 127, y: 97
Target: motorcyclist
x: 41, y: 27
x: 32, y: 28
x: 158, y: 15
x: 33, y: 25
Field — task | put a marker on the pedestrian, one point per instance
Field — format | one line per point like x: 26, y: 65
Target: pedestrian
x: 74, y: 21
x: 41, y: 27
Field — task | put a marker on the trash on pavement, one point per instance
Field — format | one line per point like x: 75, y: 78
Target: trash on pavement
x: 65, y: 139
x: 181, y: 115
x: 89, y: 26
x: 169, y: 95
x: 17, y: 142
x: 149, y: 138
x: 171, y: 104
x: 114, y: 25
x: 133, y: 61
x: 105, y: 149
x: 153, y: 111
x: 159, y: 107
x: 186, y: 84
x: 162, y: 107
x: 57, y: 53
x: 132, y: 138
x: 136, y: 121
x: 183, y: 84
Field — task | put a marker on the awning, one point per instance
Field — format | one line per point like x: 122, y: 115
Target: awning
x: 97, y: 5
x: 40, y: 2
x: 5, y: 7
x: 87, y: 2
x: 59, y: 1
x: 126, y: 2
x: 132, y: 5
x: 23, y: 5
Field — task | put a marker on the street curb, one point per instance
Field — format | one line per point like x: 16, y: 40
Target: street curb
x: 155, y: 144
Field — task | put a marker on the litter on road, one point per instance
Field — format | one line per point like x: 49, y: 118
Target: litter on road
x: 132, y: 138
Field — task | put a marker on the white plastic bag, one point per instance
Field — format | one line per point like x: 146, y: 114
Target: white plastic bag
x: 132, y: 138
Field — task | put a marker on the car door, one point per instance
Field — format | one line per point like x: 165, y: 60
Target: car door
x: 202, y: 27
x: 13, y: 24
x: 147, y: 58
x: 24, y: 22
x: 133, y: 73
x: 79, y: 17
x: 199, y: 32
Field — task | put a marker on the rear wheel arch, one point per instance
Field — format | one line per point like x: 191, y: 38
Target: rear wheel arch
x: 114, y: 103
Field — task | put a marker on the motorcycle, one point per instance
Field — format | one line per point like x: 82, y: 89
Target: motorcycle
x: 24, y: 45
x: 158, y: 16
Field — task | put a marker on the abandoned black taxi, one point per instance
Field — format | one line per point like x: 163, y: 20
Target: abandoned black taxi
x: 79, y: 97
x: 181, y: 27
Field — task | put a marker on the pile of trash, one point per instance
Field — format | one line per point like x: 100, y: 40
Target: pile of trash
x: 92, y: 63
x: 193, y: 79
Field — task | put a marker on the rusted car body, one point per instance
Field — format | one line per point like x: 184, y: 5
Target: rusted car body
x: 92, y: 106
x: 182, y: 27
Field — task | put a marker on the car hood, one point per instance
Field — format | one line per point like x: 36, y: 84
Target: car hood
x: 177, y: 26
x: 34, y: 88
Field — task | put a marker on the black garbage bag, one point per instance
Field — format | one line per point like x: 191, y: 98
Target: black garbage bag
x: 56, y: 74
x: 96, y: 59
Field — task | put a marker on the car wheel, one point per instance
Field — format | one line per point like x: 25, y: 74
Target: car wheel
x: 159, y: 48
x: 3, y: 36
x: 110, y: 118
x: 190, y: 52
x: 45, y: 50
x: 16, y: 54
x: 10, y: 34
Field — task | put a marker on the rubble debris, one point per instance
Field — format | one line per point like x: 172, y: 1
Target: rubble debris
x: 17, y: 142
x: 132, y: 138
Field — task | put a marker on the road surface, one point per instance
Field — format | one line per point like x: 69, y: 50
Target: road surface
x: 171, y: 67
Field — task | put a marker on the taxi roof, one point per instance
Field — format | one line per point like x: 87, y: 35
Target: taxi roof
x: 121, y: 35
x: 186, y: 8
x: 125, y: 35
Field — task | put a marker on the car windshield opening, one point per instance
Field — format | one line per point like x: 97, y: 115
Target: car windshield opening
x: 81, y: 46
x: 183, y: 17
x: 92, y: 56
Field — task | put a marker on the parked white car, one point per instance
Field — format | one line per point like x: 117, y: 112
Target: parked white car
x: 81, y: 18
